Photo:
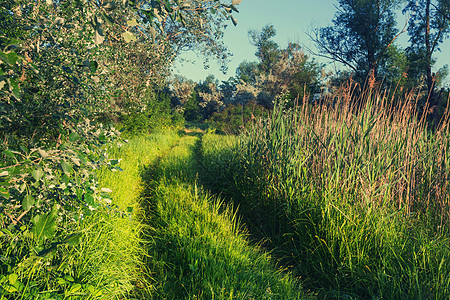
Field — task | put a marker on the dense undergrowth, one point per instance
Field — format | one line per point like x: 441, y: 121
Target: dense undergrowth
x: 351, y: 196
x: 83, y: 239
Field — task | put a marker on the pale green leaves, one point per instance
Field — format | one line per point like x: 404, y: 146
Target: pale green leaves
x: 99, y: 36
x: 153, y: 32
x: 42, y: 153
x: 132, y: 22
x: 59, y: 21
x: 44, y: 226
x: 66, y: 167
x: 28, y: 202
x: 37, y: 174
x: 128, y: 36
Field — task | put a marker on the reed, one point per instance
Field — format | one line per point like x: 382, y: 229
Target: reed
x: 351, y: 193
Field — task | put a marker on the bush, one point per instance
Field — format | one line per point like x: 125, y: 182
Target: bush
x: 236, y: 118
x: 46, y: 196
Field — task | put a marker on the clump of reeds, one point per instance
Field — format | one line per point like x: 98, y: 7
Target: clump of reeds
x: 352, y: 192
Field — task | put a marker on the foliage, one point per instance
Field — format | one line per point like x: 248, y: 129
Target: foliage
x: 210, y: 98
x: 182, y: 89
x: 429, y: 25
x: 234, y: 119
x: 362, y: 32
x: 76, y: 59
x: 46, y: 194
x: 284, y: 74
x: 247, y: 71
x: 267, y: 50
x: 191, y: 109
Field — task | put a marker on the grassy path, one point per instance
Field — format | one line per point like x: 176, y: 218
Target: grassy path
x: 194, y: 247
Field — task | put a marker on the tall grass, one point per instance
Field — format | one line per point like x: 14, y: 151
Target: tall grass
x: 353, y: 194
x: 100, y: 257
x: 115, y: 245
x: 196, y: 249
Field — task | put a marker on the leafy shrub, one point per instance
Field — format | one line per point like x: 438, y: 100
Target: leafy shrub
x: 45, y: 194
x: 136, y: 123
x: 235, y: 118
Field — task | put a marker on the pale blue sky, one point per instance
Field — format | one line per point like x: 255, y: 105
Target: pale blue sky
x: 291, y: 18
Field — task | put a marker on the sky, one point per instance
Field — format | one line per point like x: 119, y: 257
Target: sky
x: 292, y: 20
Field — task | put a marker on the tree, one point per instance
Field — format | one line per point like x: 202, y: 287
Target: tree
x: 228, y: 88
x: 201, y: 30
x: 267, y: 50
x: 286, y: 74
x: 247, y: 71
x: 76, y: 57
x: 363, y: 31
x: 211, y: 98
x: 429, y: 25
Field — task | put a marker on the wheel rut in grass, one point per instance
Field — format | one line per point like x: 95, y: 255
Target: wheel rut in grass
x: 194, y: 248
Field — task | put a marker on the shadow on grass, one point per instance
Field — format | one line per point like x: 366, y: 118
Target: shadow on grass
x: 194, y: 247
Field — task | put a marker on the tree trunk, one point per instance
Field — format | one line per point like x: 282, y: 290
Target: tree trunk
x: 430, y: 77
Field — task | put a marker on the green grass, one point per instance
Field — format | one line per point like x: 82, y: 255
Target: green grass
x: 120, y: 238
x: 349, y: 198
x: 101, y: 256
x: 196, y: 249
x: 353, y: 196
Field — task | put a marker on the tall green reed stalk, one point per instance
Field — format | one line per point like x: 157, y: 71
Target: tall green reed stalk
x: 352, y: 193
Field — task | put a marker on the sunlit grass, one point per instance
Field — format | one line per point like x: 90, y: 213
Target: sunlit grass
x: 196, y: 249
x: 110, y: 253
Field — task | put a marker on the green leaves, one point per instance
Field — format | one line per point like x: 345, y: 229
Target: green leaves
x: 73, y: 137
x: 37, y: 174
x: 14, y: 88
x: 27, y: 202
x: 9, y: 57
x: 8, y: 153
x: 73, y: 239
x: 110, y: 5
x: 66, y: 167
x: 132, y: 22
x: 44, y: 226
x: 4, y: 192
x: 167, y: 5
x: 128, y: 36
